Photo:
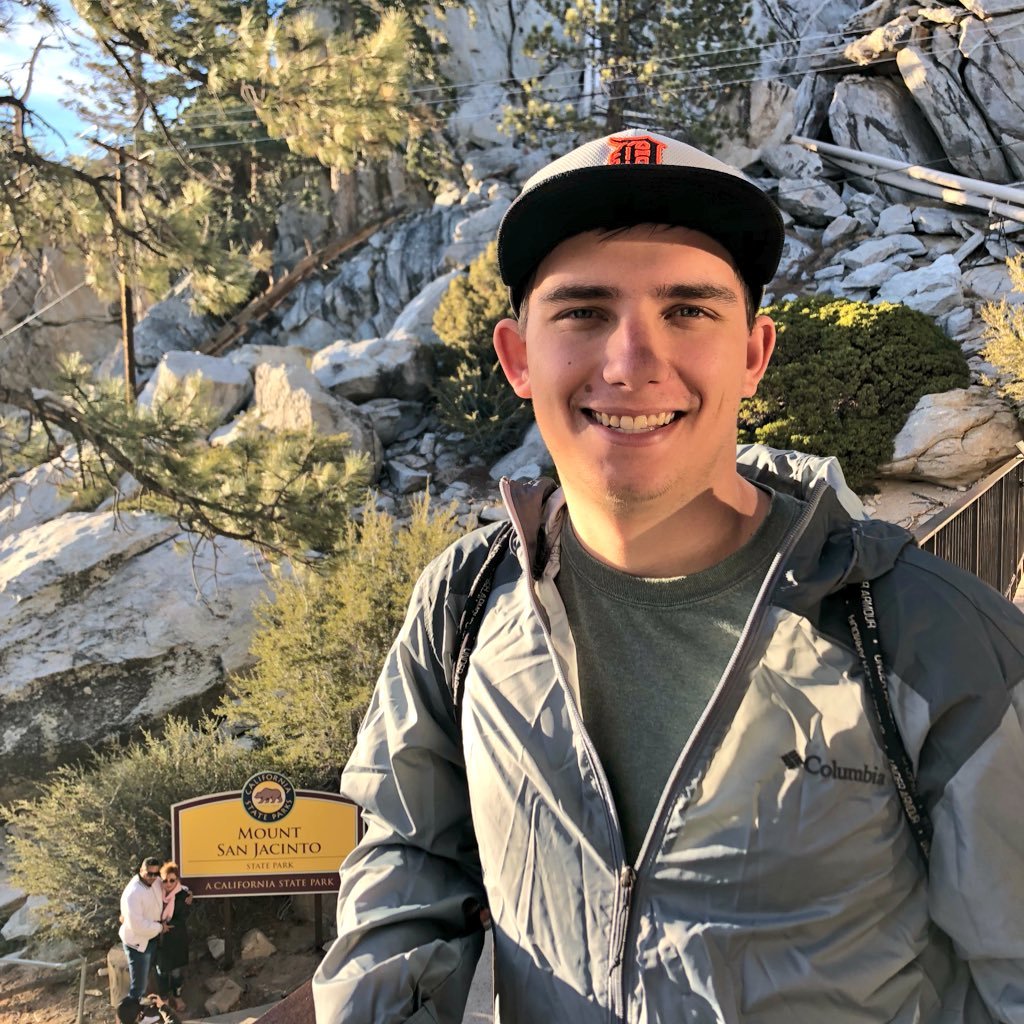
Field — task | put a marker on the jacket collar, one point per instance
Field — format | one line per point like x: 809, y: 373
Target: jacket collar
x: 838, y: 544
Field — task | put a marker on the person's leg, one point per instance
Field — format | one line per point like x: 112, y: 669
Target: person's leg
x: 164, y: 982
x: 177, y: 980
x: 138, y: 971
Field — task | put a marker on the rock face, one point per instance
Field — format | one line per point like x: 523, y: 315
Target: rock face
x: 956, y: 98
x: 878, y: 116
x: 36, y: 497
x: 170, y: 326
x: 291, y: 398
x: 485, y: 50
x: 193, y: 381
x: 953, y: 117
x: 955, y: 438
x: 46, y: 311
x: 104, y: 631
x: 362, y: 370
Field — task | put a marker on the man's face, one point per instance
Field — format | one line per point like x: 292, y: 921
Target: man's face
x: 636, y: 353
x: 148, y: 875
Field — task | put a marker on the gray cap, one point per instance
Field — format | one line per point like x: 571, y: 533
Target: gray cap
x: 638, y: 177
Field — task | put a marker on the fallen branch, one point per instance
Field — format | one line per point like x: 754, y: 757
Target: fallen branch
x: 273, y: 296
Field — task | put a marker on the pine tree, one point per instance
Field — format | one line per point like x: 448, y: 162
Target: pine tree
x: 608, y: 65
x: 164, y: 73
x: 216, y: 106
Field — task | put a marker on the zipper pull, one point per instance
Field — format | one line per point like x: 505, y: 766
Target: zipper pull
x: 627, y: 876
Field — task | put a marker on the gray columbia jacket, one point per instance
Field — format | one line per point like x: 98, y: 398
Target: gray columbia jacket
x: 778, y: 883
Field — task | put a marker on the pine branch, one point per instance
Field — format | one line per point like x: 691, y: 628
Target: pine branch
x: 177, y: 472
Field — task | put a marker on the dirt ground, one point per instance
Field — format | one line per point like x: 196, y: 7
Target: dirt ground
x: 41, y: 996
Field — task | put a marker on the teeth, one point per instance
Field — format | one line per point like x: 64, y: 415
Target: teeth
x: 633, y: 424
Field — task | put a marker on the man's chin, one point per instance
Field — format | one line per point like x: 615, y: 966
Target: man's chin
x: 631, y: 497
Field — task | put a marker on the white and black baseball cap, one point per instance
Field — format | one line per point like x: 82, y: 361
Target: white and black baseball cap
x: 638, y: 177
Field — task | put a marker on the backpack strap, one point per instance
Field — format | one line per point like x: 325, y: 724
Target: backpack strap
x: 863, y: 623
x: 472, y: 615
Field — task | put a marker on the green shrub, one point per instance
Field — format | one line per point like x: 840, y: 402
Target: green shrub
x: 83, y: 837
x: 322, y: 640
x: 1004, y: 333
x: 473, y: 397
x: 844, y: 378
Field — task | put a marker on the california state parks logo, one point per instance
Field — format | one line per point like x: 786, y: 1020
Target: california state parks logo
x: 268, y: 796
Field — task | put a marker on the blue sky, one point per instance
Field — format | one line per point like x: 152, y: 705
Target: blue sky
x: 55, y: 78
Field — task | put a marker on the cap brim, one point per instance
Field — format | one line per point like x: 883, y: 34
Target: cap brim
x: 726, y: 207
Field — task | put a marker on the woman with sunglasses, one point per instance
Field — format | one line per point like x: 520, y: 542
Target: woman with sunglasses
x: 172, y: 952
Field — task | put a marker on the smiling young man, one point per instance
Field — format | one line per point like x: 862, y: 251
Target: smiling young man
x: 641, y: 348
x: 664, y: 768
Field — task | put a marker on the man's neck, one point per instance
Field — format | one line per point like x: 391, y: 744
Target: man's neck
x: 693, y: 537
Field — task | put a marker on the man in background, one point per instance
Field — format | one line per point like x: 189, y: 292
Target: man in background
x: 141, y: 906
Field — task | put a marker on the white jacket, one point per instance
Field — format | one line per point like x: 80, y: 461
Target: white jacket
x: 141, y: 905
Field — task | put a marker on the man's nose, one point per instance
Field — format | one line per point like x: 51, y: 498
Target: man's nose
x: 633, y: 355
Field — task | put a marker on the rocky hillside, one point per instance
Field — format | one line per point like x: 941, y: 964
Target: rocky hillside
x: 111, y: 622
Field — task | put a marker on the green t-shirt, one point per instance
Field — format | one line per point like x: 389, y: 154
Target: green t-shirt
x: 649, y: 654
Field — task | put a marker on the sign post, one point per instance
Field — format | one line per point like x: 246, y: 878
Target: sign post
x: 267, y: 839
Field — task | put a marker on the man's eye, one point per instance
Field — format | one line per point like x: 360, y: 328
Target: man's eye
x: 577, y: 314
x: 689, y: 312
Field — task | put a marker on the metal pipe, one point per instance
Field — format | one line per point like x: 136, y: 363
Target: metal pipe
x: 949, y: 180
x: 36, y: 963
x: 954, y: 197
x: 81, y: 993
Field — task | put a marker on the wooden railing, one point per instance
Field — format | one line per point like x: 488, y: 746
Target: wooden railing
x: 983, y: 532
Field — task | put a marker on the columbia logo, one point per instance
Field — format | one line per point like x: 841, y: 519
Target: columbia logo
x: 814, y: 764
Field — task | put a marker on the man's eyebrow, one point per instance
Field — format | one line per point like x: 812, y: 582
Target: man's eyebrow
x: 580, y: 293
x: 697, y: 291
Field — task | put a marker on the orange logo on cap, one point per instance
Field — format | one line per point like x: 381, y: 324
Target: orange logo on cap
x: 639, y: 149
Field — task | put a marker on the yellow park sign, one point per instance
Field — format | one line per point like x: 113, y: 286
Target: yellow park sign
x: 263, y: 840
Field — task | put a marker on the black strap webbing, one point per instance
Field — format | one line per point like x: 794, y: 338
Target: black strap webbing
x: 863, y: 624
x: 473, y: 613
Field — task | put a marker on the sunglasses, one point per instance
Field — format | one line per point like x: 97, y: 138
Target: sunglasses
x: 152, y: 874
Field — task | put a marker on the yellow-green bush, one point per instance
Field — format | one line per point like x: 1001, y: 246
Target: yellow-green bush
x: 323, y: 637
x: 844, y: 378
x: 1004, y: 333
x: 472, y: 394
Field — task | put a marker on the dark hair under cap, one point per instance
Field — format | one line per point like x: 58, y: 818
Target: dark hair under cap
x: 638, y: 177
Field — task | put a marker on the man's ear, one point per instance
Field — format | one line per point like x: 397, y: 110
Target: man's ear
x: 510, y: 346
x: 760, y: 346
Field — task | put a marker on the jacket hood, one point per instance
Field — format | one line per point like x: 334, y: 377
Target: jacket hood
x: 837, y: 542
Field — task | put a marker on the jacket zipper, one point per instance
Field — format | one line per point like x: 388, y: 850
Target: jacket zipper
x: 627, y: 876
x: 620, y: 934
x: 708, y: 722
